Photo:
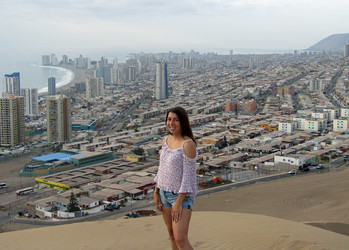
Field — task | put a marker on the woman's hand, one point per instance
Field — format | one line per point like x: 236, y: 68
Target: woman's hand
x: 157, y: 201
x: 176, y: 211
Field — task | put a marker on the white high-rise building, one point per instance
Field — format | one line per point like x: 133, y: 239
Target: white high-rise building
x: 346, y: 50
x: 65, y: 59
x: 11, y: 85
x: 54, y: 60
x: 94, y: 87
x: 316, y: 85
x: 11, y: 120
x: 187, y: 63
x: 115, y: 62
x: 58, y: 115
x: 46, y: 60
x: 115, y: 76
x: 30, y: 101
x: 161, y: 81
x: 131, y: 74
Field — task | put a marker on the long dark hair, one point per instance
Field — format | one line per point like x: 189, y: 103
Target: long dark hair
x: 183, y: 120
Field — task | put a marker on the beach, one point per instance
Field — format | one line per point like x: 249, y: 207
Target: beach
x: 79, y: 75
x: 72, y: 76
x: 309, y: 211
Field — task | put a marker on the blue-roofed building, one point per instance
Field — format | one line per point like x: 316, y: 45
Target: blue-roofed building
x: 62, y: 161
x: 56, y: 157
x: 12, y: 85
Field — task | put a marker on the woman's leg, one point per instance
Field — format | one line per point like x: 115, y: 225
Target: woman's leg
x: 181, y: 228
x: 166, y: 215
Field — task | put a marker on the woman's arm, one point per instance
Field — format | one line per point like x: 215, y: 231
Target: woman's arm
x: 190, y: 149
x: 157, y: 199
x: 189, y: 179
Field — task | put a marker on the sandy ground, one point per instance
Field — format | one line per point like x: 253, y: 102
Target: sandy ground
x: 209, y: 230
x: 308, y: 211
x: 302, y: 198
x: 9, y: 170
x: 80, y: 75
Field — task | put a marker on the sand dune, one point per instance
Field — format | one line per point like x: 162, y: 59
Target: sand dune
x: 301, y: 212
x: 304, y: 198
x: 209, y: 230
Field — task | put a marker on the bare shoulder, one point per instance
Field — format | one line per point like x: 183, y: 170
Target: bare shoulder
x: 163, y: 141
x: 190, y: 149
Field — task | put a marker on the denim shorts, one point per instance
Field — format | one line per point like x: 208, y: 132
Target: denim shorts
x: 168, y: 199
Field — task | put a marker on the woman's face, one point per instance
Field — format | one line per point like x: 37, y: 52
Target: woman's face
x: 173, y: 124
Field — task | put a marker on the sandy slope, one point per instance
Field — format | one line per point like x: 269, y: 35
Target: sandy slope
x: 209, y: 230
x: 307, y: 198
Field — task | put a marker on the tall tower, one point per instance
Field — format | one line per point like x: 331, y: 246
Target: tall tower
x: 51, y: 86
x: 161, y: 81
x: 94, y: 87
x: 58, y: 114
x: 53, y: 60
x: 46, y: 60
x: 346, y: 50
x: 30, y: 101
x: 131, y: 74
x: 11, y: 120
x: 12, y: 85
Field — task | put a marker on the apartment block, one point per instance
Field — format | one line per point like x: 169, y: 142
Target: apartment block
x: 58, y: 117
x: 287, y: 127
x: 340, y: 124
x: 94, y: 87
x: 11, y: 120
x: 30, y: 101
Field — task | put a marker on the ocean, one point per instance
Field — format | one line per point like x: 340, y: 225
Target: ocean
x: 33, y: 75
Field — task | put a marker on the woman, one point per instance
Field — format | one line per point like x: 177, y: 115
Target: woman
x: 176, y: 187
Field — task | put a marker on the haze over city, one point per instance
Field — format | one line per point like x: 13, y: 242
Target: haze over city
x: 98, y: 28
x: 88, y: 100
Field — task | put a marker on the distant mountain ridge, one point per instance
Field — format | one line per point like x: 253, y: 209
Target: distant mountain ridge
x: 333, y: 43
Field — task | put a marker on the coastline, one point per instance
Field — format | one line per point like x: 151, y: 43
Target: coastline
x: 67, y: 78
x: 74, y: 75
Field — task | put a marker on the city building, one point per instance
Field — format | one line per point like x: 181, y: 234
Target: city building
x: 94, y: 87
x: 30, y: 101
x: 161, y: 81
x: 11, y: 85
x: 65, y: 59
x: 316, y: 85
x: 341, y: 124
x: 315, y: 124
x: 294, y: 161
x: 51, y: 86
x: 11, y: 120
x: 187, y: 63
x: 287, y: 127
x: 131, y: 74
x: 104, y: 72
x: 346, y: 50
x: 58, y: 117
x: 115, y: 76
x: 283, y: 91
x: 244, y: 106
x: 344, y: 113
x: 46, y: 60
x: 54, y: 60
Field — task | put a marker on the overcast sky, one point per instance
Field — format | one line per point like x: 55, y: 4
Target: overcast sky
x: 91, y: 27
